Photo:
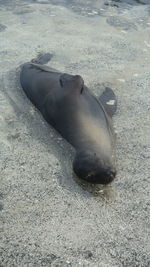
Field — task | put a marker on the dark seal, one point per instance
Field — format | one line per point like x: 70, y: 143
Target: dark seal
x: 81, y: 118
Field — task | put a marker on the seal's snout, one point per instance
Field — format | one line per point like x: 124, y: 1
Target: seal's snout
x: 88, y: 166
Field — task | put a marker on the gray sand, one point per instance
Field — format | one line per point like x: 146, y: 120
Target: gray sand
x: 49, y: 218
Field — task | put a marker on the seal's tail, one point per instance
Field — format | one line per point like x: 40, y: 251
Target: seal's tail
x: 42, y: 58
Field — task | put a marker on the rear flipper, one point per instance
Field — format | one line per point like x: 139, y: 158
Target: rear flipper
x: 40, y: 61
x: 109, y: 101
x: 42, y: 58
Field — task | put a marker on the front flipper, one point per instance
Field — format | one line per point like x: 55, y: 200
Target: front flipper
x: 74, y: 82
x: 109, y: 101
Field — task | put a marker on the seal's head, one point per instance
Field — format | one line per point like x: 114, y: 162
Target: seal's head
x: 89, y: 166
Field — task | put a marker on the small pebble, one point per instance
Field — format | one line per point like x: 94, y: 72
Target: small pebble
x: 121, y: 80
x: 147, y: 44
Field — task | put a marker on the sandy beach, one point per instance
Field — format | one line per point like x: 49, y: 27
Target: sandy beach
x: 48, y: 216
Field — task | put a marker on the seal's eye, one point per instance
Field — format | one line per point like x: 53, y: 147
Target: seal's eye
x: 82, y: 89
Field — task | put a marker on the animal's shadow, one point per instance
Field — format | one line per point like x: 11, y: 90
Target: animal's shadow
x: 40, y: 130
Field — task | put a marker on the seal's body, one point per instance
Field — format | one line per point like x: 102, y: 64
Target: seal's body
x: 69, y: 106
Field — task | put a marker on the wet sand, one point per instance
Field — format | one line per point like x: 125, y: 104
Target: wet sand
x: 50, y: 218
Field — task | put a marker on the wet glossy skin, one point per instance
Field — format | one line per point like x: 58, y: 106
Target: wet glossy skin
x: 68, y: 105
